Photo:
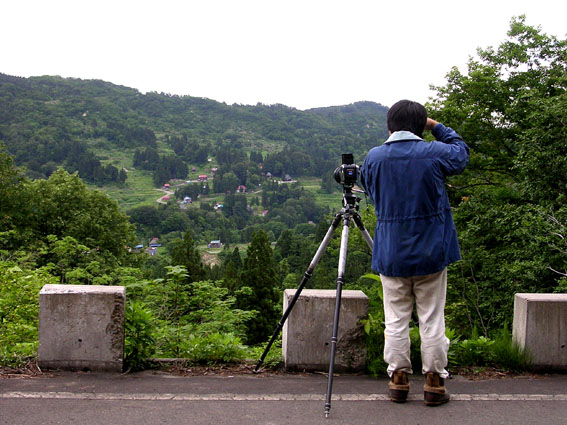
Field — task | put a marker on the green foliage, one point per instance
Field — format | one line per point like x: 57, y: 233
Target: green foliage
x: 13, y: 206
x: 374, y: 326
x: 184, y: 253
x: 64, y: 206
x: 502, y: 351
x: 510, y: 109
x: 508, y: 247
x: 374, y: 331
x: 213, y: 311
x: 139, y: 330
x: 508, y: 354
x: 78, y: 234
x: 19, y: 312
x: 192, y: 319
x: 454, y: 341
x: 260, y: 275
x: 273, y: 358
x: 562, y: 286
x: 475, y: 351
x: 214, y: 348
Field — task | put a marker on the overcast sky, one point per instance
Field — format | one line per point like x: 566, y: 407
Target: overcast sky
x: 304, y: 53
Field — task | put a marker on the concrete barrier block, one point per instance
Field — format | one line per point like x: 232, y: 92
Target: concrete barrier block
x: 307, y: 332
x: 540, y: 325
x: 81, y: 327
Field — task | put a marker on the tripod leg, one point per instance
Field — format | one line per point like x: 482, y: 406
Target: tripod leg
x: 365, y: 234
x: 306, y: 277
x: 340, y: 279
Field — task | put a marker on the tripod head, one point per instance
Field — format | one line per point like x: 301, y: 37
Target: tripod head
x: 350, y: 200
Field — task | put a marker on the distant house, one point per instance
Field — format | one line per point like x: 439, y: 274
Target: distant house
x: 269, y: 175
x: 137, y: 248
x: 151, y: 251
x: 241, y: 189
x: 215, y: 244
x: 187, y: 200
x: 202, y: 177
x: 166, y: 186
x: 214, y: 170
x: 287, y: 178
x: 154, y: 243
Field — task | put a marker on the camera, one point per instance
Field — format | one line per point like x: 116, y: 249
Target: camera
x: 347, y: 173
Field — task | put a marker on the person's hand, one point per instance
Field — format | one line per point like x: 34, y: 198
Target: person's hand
x: 430, y: 124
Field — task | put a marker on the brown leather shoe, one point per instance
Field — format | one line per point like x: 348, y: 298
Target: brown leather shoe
x: 434, y: 392
x: 398, y: 386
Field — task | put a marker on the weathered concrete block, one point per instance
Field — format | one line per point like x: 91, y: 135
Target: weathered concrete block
x: 307, y: 332
x: 81, y: 327
x: 540, y: 325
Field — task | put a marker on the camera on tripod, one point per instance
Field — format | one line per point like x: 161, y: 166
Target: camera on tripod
x: 347, y: 173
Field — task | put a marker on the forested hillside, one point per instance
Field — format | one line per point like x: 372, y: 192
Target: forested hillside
x: 49, y: 121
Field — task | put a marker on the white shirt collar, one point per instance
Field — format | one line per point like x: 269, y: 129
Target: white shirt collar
x: 397, y: 136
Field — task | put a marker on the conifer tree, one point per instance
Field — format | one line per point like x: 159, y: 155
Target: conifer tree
x: 186, y: 254
x: 259, y: 274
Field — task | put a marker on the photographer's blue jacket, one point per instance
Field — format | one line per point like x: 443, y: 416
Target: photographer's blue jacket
x: 405, y: 178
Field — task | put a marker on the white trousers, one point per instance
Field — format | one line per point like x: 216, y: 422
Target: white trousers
x: 429, y: 293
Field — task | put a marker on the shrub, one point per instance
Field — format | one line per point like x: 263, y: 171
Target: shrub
x: 508, y: 354
x: 475, y: 351
x: 374, y: 326
x: 19, y: 312
x: 273, y: 357
x: 214, y: 348
x: 194, y: 319
x: 139, y: 330
x: 374, y: 331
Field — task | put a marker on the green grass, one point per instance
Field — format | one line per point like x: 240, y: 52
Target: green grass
x: 137, y: 191
x: 331, y: 200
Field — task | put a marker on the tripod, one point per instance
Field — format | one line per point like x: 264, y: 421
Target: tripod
x: 346, y: 214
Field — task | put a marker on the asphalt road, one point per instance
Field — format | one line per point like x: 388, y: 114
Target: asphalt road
x: 157, y: 398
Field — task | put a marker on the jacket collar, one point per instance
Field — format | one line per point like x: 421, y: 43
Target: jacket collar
x: 402, y: 136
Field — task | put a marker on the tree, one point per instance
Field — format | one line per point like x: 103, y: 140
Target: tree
x: 64, y: 206
x: 259, y: 275
x: 235, y: 258
x: 511, y: 109
x: 184, y: 253
x: 13, y: 208
x: 146, y: 215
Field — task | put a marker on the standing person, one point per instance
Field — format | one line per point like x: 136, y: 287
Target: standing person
x: 415, y: 240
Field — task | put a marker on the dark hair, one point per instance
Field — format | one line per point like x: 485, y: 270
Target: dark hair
x: 407, y: 115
